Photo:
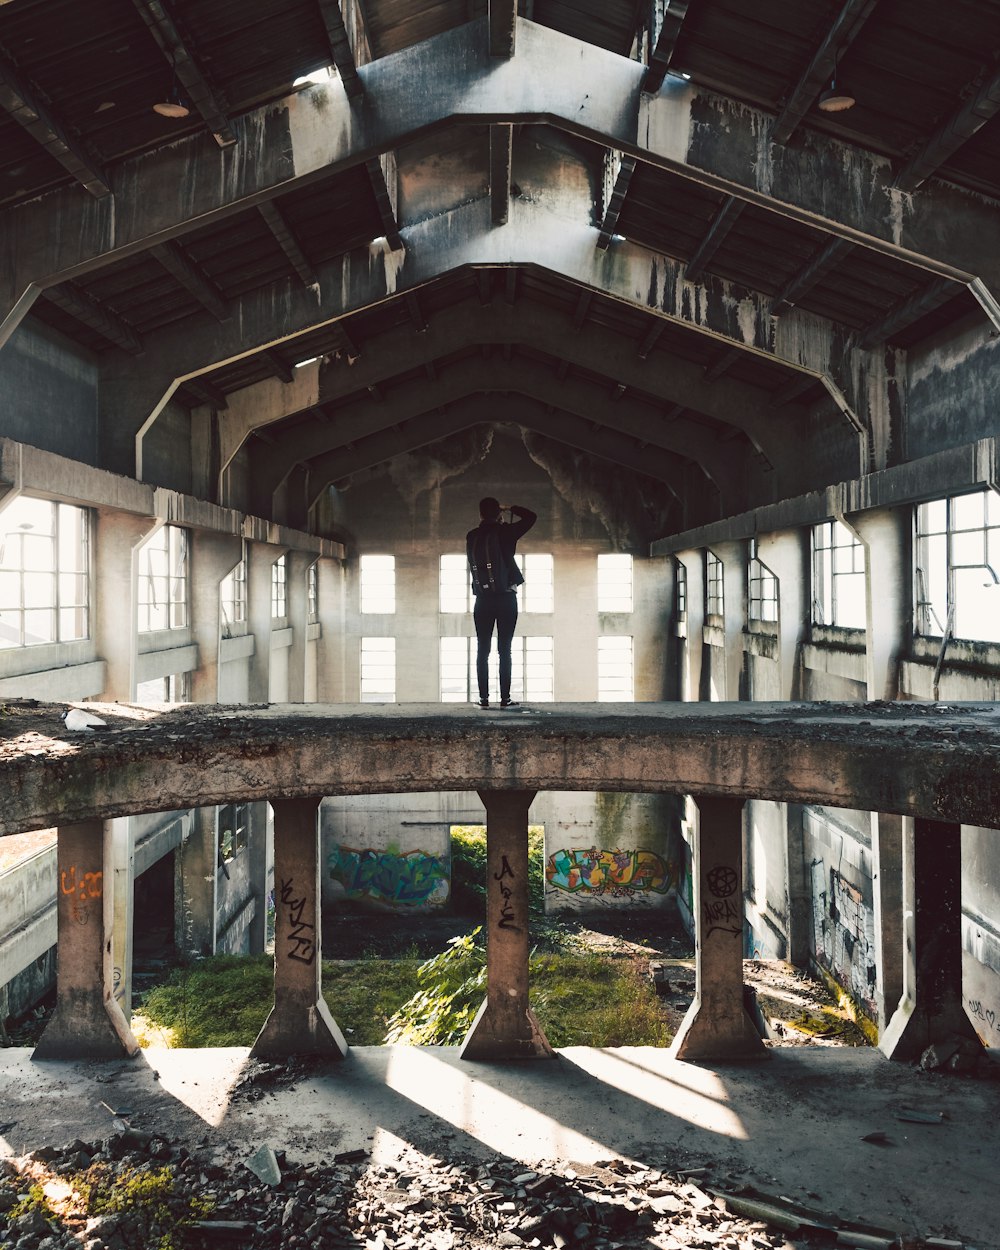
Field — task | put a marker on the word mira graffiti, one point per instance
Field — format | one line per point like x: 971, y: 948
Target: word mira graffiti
x: 410, y: 879
x: 618, y: 873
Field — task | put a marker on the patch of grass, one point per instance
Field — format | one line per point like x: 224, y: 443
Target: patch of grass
x: 151, y: 1194
x: 363, y: 996
x: 222, y: 1001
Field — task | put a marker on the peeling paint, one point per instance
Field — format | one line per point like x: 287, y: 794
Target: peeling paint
x: 900, y: 203
x: 392, y: 260
x: 430, y: 468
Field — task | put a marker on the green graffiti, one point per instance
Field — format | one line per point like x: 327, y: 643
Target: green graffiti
x: 616, y: 872
x: 406, y: 880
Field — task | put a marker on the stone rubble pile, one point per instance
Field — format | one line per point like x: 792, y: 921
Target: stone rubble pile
x: 351, y: 1202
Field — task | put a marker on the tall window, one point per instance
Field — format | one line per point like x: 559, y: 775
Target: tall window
x: 312, y: 592
x: 378, y: 583
x: 537, y: 593
x: 680, y: 590
x: 234, y: 829
x: 378, y: 670
x: 233, y: 600
x: 614, y: 583
x: 762, y: 589
x: 176, y: 688
x: 614, y: 669
x: 44, y: 573
x: 838, y: 589
x: 163, y: 580
x: 958, y: 567
x: 715, y: 600
x: 532, y: 670
x: 455, y: 583
x: 279, y: 588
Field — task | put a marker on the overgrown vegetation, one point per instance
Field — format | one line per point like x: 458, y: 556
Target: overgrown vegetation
x: 468, y: 870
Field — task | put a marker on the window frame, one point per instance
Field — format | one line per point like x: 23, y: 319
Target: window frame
x: 953, y: 534
x: 715, y: 588
x: 609, y: 596
x: 763, y: 592
x: 374, y: 593
x: 174, y: 543
x: 826, y: 578
x: 369, y: 691
x: 58, y: 574
x: 604, y: 650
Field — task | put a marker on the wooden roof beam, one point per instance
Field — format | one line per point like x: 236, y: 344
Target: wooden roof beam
x: 280, y: 367
x: 503, y: 23
x: 173, y: 258
x: 616, y: 198
x: 723, y: 363
x: 382, y: 175
x: 651, y: 338
x: 714, y: 237
x: 208, y: 393
x: 845, y: 29
x: 340, y: 48
x: 817, y: 269
x: 909, y: 310
x: 982, y: 105
x: 675, y: 11
x: 91, y: 312
x: 208, y: 101
x: 288, y: 243
x: 501, y: 165
x: 23, y: 102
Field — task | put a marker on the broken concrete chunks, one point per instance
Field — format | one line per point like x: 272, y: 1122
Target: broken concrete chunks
x: 766, y: 1212
x: 877, y: 1138
x: 264, y: 1165
x: 350, y: 1156
x: 920, y: 1117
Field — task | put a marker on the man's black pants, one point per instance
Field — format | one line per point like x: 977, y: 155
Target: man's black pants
x: 494, y: 608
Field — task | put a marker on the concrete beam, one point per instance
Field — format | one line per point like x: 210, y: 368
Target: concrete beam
x: 914, y: 759
x: 574, y: 86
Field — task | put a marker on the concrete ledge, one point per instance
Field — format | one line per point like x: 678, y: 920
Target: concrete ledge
x: 912, y: 759
x: 152, y: 664
x: 71, y: 682
x: 836, y: 662
x: 240, y: 648
x: 281, y: 638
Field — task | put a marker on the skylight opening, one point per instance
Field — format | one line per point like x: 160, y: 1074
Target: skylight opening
x: 315, y: 77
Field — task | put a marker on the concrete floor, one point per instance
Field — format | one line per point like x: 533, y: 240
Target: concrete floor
x: 792, y: 1125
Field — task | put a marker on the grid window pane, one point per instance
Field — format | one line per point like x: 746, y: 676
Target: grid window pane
x: 714, y: 588
x: 537, y: 593
x: 45, y: 558
x: 680, y: 590
x: 233, y: 598
x: 957, y: 573
x: 279, y: 588
x: 762, y: 589
x: 614, y: 583
x: 312, y: 591
x: 163, y: 580
x: 614, y: 669
x: 457, y: 675
x: 378, y: 670
x: 378, y: 583
x: 839, y: 590
x: 455, y: 583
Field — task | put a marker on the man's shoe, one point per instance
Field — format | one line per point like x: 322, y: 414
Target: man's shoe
x: 484, y: 703
x: 508, y: 703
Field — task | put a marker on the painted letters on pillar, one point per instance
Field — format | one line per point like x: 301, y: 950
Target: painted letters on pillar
x: 506, y: 912
x: 301, y: 936
x: 81, y: 889
x: 720, y: 904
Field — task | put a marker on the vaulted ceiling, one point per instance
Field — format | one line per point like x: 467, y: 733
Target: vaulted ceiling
x: 632, y: 217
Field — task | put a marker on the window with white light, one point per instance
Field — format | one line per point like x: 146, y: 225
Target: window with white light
x: 532, y: 671
x: 838, y: 572
x: 164, y: 592
x: 279, y: 588
x: 715, y: 598
x: 537, y: 592
x: 615, y: 682
x: 455, y: 583
x: 175, y: 688
x: 680, y: 591
x: 233, y: 600
x: 762, y: 589
x: 957, y: 567
x: 234, y: 830
x: 44, y: 573
x: 312, y: 592
x: 378, y: 670
x: 378, y: 583
x: 614, y: 583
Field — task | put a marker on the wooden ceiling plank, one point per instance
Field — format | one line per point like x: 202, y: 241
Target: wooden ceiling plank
x: 616, y: 200
x: 675, y: 11
x: 207, y: 100
x: 981, y: 106
x: 173, y: 258
x: 23, y: 102
x: 340, y: 48
x: 811, y: 275
x: 288, y: 243
x: 723, y: 221
x: 91, y: 312
x: 845, y: 29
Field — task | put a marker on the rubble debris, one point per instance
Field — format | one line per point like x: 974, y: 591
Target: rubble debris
x: 264, y: 1165
x: 921, y: 1117
x: 878, y: 1138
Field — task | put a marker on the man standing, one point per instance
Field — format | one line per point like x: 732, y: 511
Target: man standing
x: 495, y: 578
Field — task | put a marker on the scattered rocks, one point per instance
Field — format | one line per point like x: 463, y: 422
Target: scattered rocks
x: 155, y: 1192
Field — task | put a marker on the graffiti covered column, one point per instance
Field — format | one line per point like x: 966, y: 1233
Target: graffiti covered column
x: 87, y: 1022
x: 931, y: 1011
x: 505, y: 1027
x: 717, y: 1025
x: 300, y: 1022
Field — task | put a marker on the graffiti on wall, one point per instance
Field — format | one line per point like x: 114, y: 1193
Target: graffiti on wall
x: 844, y: 935
x: 619, y: 874
x: 405, y: 879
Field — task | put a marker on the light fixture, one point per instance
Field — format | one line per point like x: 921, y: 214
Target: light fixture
x: 835, y: 99
x: 173, y: 105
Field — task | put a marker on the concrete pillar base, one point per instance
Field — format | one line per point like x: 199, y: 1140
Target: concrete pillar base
x: 911, y: 1030
x: 83, y: 1026
x: 708, y: 1034
x: 300, y: 1029
x: 494, y: 1035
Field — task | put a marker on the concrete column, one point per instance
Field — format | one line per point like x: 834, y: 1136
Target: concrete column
x: 505, y: 1026
x: 887, y: 538
x: 300, y: 1022
x: 88, y: 1023
x: 694, y: 564
x: 257, y: 851
x: 786, y: 554
x: 199, y: 856
x: 213, y: 557
x: 119, y: 880
x: 117, y: 539
x: 717, y: 1025
x: 298, y: 619
x: 887, y: 891
x: 931, y: 1009
x: 734, y: 595
x: 798, y: 888
x: 330, y: 660
x: 260, y: 558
